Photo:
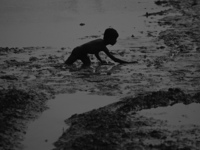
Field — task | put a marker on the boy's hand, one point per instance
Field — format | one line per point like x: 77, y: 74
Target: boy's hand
x: 133, y: 62
x: 104, y: 62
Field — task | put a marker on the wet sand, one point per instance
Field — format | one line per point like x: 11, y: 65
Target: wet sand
x: 167, y: 73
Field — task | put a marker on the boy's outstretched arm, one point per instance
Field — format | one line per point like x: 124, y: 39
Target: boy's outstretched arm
x: 114, y: 58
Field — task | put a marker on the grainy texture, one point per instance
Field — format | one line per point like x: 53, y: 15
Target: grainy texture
x: 167, y: 73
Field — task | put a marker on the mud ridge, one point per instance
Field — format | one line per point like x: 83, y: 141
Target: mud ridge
x: 117, y: 127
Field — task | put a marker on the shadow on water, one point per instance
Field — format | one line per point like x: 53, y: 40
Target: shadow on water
x: 44, y: 131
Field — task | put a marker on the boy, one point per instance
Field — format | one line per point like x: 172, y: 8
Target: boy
x: 94, y: 47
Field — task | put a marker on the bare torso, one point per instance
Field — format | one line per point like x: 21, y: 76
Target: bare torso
x: 92, y: 47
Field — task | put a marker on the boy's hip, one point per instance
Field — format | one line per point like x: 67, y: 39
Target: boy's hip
x: 78, y: 52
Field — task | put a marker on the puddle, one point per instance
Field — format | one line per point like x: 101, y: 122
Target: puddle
x: 44, y: 131
x: 176, y: 115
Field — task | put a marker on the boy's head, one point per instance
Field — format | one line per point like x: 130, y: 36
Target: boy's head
x: 110, y: 36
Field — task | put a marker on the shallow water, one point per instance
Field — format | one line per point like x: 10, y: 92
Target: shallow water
x: 57, y: 22
x: 50, y: 125
x: 176, y: 115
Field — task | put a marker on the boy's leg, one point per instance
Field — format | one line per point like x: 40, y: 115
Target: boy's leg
x: 86, y: 61
x: 70, y: 60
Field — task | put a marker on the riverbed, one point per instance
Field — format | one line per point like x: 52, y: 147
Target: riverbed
x: 39, y: 36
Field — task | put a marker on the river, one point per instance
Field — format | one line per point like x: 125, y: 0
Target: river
x: 57, y: 22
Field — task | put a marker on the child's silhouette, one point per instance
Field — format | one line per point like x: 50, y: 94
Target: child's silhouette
x: 94, y: 47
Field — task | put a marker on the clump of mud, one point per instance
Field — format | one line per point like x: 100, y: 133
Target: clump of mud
x: 156, y: 99
x: 117, y: 126
x: 17, y: 106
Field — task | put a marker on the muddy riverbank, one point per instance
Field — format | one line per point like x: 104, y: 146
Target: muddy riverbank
x: 167, y: 73
x: 119, y: 126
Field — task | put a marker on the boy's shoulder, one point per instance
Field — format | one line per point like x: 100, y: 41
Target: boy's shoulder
x: 95, y: 43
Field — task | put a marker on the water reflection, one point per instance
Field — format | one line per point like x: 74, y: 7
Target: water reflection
x: 82, y: 6
x: 56, y: 22
x: 72, y: 5
x: 98, y: 5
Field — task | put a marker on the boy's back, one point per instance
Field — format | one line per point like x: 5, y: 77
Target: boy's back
x: 92, y: 47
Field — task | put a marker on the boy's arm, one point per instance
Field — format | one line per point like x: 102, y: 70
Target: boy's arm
x: 98, y: 57
x: 114, y: 58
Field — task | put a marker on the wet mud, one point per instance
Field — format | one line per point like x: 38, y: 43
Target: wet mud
x: 17, y: 107
x: 118, y: 126
x: 167, y: 73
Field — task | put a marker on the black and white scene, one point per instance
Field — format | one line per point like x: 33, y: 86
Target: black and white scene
x: 99, y: 74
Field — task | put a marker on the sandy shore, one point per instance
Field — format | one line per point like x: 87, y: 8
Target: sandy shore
x: 167, y: 73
